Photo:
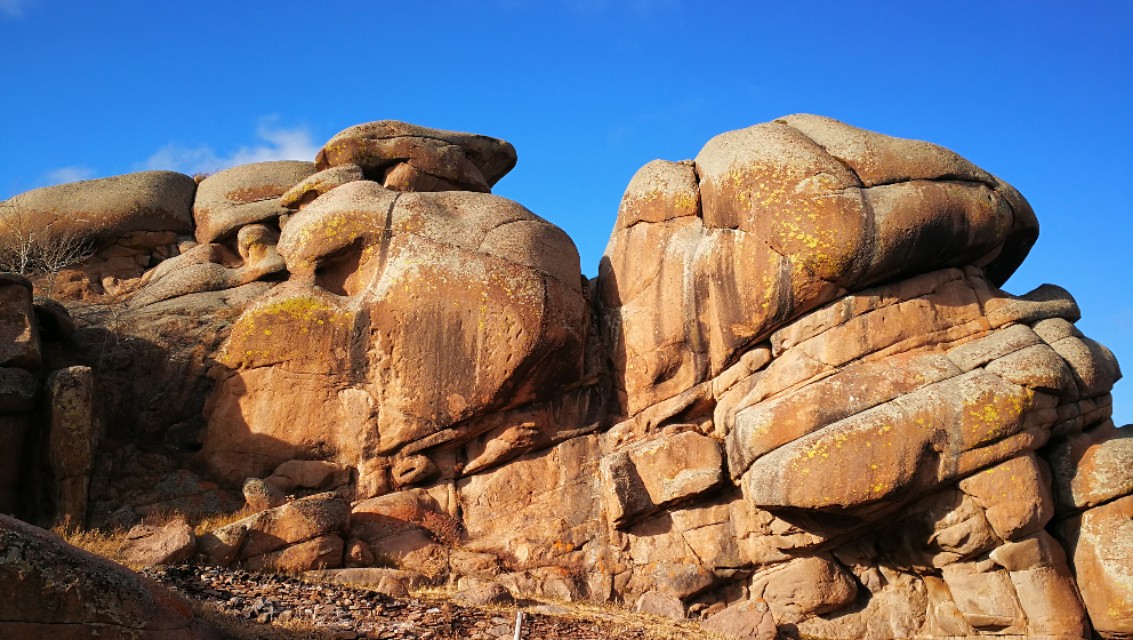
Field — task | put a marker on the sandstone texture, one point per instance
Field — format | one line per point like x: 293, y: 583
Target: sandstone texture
x: 795, y: 402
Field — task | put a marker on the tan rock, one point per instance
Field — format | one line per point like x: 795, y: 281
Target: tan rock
x: 358, y: 554
x: 309, y: 474
x: 261, y: 496
x: 781, y: 213
x: 392, y: 582
x: 998, y: 489
x: 149, y: 546
x: 317, y: 516
x: 221, y: 546
x: 805, y: 587
x: 656, y: 603
x: 319, y: 183
x: 110, y: 207
x: 985, y: 596
x: 749, y: 620
x: 466, y: 161
x: 1092, y: 467
x: 656, y: 473
x: 900, y: 446
x: 246, y: 194
x: 473, y: 592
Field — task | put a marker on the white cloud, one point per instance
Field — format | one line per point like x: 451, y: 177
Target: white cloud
x: 14, y: 8
x: 276, y: 143
x: 66, y: 174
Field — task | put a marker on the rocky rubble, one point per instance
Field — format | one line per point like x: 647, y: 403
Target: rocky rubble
x: 795, y: 400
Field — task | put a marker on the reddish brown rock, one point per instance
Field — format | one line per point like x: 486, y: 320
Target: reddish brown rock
x: 150, y: 546
x: 19, y: 333
x: 997, y: 490
x: 56, y: 592
x: 72, y: 441
x: 1100, y: 546
x: 324, y: 552
x: 779, y: 212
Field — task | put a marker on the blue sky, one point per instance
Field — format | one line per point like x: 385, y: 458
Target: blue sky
x: 1038, y: 92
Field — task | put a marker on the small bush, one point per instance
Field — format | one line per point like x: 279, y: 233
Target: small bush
x: 444, y: 528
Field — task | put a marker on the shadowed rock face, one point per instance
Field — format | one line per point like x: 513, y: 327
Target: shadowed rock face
x: 794, y: 397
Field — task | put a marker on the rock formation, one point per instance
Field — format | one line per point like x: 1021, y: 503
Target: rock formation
x: 794, y: 400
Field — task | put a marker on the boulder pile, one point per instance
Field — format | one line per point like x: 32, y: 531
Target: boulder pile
x: 794, y: 401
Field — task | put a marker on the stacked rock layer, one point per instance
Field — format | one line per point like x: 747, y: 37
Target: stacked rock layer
x: 795, y: 399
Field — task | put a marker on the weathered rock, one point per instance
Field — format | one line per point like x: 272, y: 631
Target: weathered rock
x: 392, y: 582
x: 1092, y: 467
x: 997, y: 490
x: 749, y: 620
x: 18, y: 388
x: 396, y: 275
x: 323, y: 552
x: 260, y: 495
x: 1100, y: 544
x: 72, y: 441
x: 657, y: 473
x: 804, y: 588
x: 149, y: 546
x: 19, y: 333
x: 55, y: 592
x: 108, y: 207
x: 660, y: 604
x: 782, y: 227
x: 221, y: 546
x: 408, y: 157
x: 242, y: 195
x: 319, y: 183
x: 308, y: 474
x: 473, y: 592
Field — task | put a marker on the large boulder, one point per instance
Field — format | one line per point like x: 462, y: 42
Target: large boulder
x: 407, y: 157
x: 774, y: 220
x: 245, y: 194
x: 470, y: 292
x: 54, y: 591
x: 107, y: 207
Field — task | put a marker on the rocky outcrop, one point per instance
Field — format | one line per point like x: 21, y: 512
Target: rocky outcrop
x: 794, y: 401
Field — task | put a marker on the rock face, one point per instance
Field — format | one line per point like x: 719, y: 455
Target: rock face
x: 795, y: 400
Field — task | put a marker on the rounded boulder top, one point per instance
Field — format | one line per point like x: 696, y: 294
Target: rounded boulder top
x: 408, y: 157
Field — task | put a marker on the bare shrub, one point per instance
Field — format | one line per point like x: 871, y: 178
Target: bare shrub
x: 31, y: 252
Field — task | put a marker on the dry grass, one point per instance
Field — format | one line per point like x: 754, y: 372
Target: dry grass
x: 107, y: 544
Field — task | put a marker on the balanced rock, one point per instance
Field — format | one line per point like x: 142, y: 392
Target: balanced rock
x: 406, y: 157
